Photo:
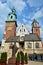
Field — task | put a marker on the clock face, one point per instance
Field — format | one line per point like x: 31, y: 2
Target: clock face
x: 9, y: 28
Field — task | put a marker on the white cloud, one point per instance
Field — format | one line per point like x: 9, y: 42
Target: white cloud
x: 1, y: 26
x: 24, y: 20
x: 27, y: 17
x: 38, y: 14
x: 35, y: 3
x: 18, y: 4
x: 29, y: 27
x: 4, y: 10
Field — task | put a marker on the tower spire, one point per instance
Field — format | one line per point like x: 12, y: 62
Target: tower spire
x: 35, y: 27
x: 11, y: 24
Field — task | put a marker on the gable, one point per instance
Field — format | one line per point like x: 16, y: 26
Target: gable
x: 22, y: 30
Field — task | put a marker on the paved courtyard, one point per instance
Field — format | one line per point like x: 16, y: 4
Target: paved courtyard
x: 34, y: 63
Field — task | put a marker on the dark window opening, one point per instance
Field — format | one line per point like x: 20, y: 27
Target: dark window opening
x: 11, y: 17
x: 24, y: 30
x: 0, y: 44
x: 22, y: 44
x: 20, y: 30
x: 22, y: 25
x: 37, y: 45
x: 29, y: 45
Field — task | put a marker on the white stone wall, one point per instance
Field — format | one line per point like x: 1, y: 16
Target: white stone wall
x: 5, y: 48
x: 33, y: 44
x: 36, y: 50
x: 22, y: 32
x: 3, y: 42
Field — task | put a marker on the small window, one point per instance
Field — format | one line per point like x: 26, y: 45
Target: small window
x: 22, y: 25
x: 11, y: 17
x: 20, y: 30
x: 29, y: 45
x: 24, y: 30
x: 37, y: 45
x: 0, y: 44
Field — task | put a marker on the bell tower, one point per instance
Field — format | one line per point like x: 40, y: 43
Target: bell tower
x: 35, y: 28
x: 11, y: 24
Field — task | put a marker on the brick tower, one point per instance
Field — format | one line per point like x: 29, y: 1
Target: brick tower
x: 35, y: 28
x: 11, y: 24
x: 10, y: 30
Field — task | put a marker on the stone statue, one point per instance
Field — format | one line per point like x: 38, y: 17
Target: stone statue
x: 14, y: 50
x: 12, y: 60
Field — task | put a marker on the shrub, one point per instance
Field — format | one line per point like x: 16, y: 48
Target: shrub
x: 18, y: 57
x: 3, y: 57
x: 22, y: 56
x: 26, y: 57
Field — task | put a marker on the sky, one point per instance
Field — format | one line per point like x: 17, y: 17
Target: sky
x: 26, y: 10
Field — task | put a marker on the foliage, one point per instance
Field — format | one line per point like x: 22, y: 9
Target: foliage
x: 26, y: 57
x: 22, y: 56
x: 3, y: 57
x: 18, y: 57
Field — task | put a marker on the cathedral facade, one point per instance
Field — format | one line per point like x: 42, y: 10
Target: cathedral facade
x: 25, y: 41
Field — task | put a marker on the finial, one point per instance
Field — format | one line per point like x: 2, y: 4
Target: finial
x: 13, y: 10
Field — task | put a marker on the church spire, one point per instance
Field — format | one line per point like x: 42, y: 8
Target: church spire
x: 11, y: 24
x: 35, y: 28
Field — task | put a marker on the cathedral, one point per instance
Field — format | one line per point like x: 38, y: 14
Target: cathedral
x: 25, y: 41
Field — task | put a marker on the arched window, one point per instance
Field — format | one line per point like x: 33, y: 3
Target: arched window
x: 24, y: 30
x: 29, y: 45
x: 22, y: 25
x: 37, y: 45
x: 20, y: 30
x: 11, y: 17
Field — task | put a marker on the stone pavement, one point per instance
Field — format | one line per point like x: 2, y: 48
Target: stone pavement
x: 34, y: 63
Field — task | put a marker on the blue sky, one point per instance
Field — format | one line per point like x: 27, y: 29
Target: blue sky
x: 26, y: 11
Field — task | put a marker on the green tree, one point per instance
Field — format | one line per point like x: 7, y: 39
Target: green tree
x: 18, y: 57
x: 3, y: 57
x: 26, y: 57
x: 22, y: 56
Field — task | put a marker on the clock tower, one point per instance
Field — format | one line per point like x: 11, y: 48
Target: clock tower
x: 35, y: 28
x: 11, y: 24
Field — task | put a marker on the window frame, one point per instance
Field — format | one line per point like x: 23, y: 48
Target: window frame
x: 36, y: 45
x: 30, y: 45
